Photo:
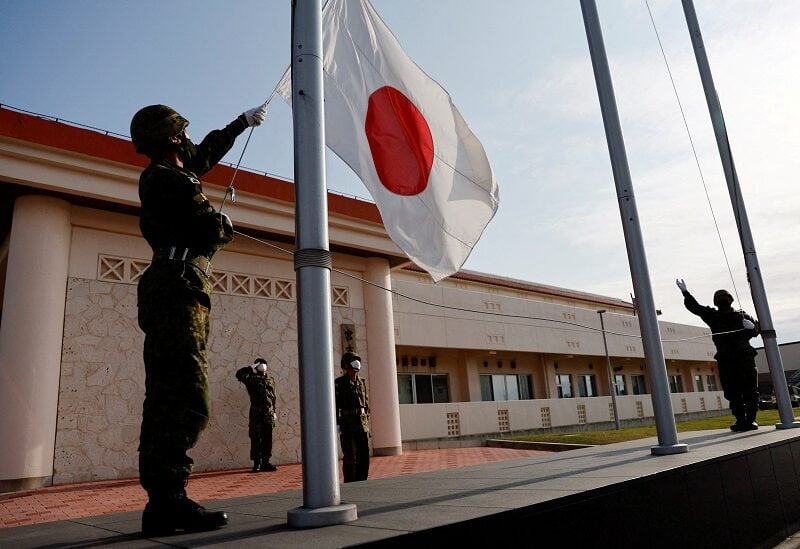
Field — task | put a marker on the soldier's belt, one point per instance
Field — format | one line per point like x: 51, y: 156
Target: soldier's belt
x: 186, y: 255
x: 354, y: 412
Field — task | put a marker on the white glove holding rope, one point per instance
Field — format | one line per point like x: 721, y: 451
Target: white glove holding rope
x: 747, y: 325
x: 255, y: 116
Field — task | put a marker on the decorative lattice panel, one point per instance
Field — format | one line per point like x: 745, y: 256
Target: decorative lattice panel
x: 546, y: 419
x: 503, y: 423
x: 453, y: 424
x: 581, y: 413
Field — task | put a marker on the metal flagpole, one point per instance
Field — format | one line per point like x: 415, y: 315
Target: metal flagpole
x: 648, y: 322
x: 757, y: 290
x: 312, y: 263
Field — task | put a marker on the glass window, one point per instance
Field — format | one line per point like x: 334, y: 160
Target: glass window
x: 711, y: 382
x: 638, y: 385
x: 505, y: 387
x: 404, y: 389
x: 525, y: 389
x: 564, y: 385
x: 619, y: 384
x: 441, y: 392
x: 486, y: 388
x: 676, y: 384
x: 587, y: 386
x: 422, y: 388
x: 698, y: 383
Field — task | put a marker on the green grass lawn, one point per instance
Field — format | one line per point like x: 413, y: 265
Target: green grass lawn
x: 765, y: 418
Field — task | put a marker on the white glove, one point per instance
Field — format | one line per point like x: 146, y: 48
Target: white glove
x: 747, y: 325
x: 256, y: 115
x: 681, y: 284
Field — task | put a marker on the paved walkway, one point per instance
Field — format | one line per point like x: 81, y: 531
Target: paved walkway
x: 88, y: 499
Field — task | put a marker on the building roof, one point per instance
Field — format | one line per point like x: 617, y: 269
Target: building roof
x: 92, y: 142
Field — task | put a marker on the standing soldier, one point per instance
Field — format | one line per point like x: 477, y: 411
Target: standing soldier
x: 731, y: 333
x: 352, y: 416
x: 261, y: 388
x: 174, y: 299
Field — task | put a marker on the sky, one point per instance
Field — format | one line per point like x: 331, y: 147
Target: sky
x: 520, y: 73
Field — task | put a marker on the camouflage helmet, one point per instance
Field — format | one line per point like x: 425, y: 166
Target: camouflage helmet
x: 347, y: 358
x: 155, y: 123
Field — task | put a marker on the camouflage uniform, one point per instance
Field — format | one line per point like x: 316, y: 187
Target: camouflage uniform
x: 735, y: 356
x: 261, y: 389
x: 352, y: 416
x: 174, y: 299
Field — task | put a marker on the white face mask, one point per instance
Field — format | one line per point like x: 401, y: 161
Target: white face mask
x: 261, y: 368
x: 356, y: 365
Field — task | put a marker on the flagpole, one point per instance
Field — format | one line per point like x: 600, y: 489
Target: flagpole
x: 648, y: 321
x: 312, y: 263
x: 757, y: 289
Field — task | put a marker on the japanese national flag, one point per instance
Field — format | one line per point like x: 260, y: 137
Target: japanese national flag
x: 400, y: 132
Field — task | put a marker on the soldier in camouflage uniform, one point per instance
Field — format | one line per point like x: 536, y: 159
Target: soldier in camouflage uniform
x: 352, y: 416
x: 732, y: 331
x: 261, y: 389
x: 174, y: 299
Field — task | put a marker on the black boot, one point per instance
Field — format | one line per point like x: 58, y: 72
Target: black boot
x: 257, y: 466
x: 750, y: 410
x: 738, y: 412
x: 166, y: 513
x: 268, y: 467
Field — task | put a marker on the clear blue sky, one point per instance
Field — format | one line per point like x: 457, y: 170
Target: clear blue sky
x: 519, y: 71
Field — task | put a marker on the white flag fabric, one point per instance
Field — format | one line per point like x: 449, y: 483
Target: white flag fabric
x: 399, y: 131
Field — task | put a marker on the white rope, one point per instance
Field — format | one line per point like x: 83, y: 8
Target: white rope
x: 231, y: 190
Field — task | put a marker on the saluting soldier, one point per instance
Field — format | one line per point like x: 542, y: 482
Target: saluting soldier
x: 261, y: 389
x: 352, y: 416
x: 174, y: 299
x: 732, y: 331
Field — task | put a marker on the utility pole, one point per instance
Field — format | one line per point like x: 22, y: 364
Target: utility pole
x: 612, y: 386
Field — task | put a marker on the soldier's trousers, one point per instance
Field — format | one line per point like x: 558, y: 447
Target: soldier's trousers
x: 355, y: 455
x: 176, y: 405
x: 739, y: 379
x: 260, y: 431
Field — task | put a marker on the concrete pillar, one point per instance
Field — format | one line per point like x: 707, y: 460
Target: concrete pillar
x: 30, y: 340
x: 383, y: 400
x: 473, y: 378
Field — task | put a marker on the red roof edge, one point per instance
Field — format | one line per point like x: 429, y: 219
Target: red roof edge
x: 95, y: 143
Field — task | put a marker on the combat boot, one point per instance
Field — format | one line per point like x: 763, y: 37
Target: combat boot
x: 750, y: 410
x: 257, y: 466
x: 268, y: 467
x: 738, y: 411
x: 166, y: 513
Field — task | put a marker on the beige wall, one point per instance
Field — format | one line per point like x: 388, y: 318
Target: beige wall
x: 102, y: 373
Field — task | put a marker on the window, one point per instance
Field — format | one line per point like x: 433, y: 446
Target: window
x: 564, y: 385
x: 698, y: 383
x: 505, y: 387
x: 587, y: 386
x: 619, y: 384
x: 675, y: 384
x: 422, y: 388
x: 638, y: 385
x: 711, y: 382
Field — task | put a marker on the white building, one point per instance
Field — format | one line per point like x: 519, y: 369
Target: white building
x: 473, y: 355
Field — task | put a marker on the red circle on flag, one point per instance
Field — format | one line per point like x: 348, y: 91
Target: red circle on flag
x: 400, y: 141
